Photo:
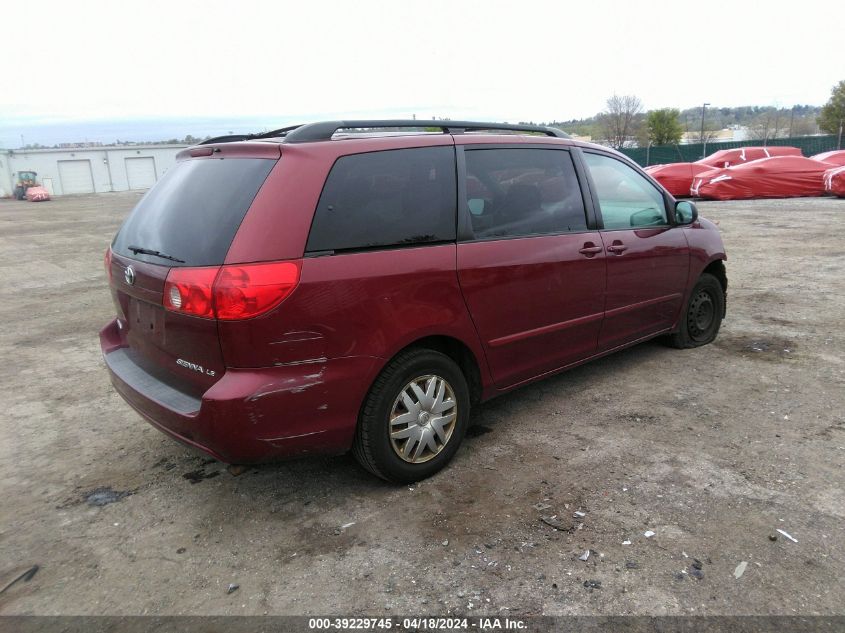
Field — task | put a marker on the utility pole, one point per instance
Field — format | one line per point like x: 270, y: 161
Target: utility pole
x: 704, y: 148
x: 791, y: 119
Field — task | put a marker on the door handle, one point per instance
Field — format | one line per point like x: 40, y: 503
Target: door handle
x: 617, y: 247
x: 590, y: 249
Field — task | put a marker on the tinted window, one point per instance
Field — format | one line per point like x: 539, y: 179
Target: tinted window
x: 626, y: 198
x: 193, y: 212
x: 404, y: 196
x: 523, y: 192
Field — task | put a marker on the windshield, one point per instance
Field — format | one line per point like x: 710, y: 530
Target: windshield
x: 193, y: 212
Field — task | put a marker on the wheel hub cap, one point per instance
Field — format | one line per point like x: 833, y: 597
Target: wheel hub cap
x: 423, y: 419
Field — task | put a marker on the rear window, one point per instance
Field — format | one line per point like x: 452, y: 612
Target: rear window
x: 390, y: 198
x: 193, y: 212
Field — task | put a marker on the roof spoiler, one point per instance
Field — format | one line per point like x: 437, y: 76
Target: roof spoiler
x: 231, y: 138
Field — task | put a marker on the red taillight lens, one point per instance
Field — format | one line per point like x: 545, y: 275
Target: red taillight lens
x: 188, y: 290
x: 246, y: 291
x: 230, y: 293
x: 107, y: 263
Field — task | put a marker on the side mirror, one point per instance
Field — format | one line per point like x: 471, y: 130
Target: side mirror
x: 685, y: 212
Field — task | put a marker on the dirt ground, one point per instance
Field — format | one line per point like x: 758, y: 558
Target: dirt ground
x: 712, y: 449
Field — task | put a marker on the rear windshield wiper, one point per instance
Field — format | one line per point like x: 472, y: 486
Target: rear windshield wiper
x: 149, y: 251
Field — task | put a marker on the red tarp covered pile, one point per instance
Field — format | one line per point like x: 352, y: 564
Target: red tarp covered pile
x: 37, y: 194
x: 778, y: 177
x: 836, y: 157
x: 677, y: 177
x: 834, y: 181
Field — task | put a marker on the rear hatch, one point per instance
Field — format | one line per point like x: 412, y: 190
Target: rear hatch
x: 187, y: 220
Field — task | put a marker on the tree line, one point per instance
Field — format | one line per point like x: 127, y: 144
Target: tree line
x: 625, y: 123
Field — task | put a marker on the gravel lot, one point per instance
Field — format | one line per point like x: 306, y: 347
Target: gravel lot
x: 712, y: 449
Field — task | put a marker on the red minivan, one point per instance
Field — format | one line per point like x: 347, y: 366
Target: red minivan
x: 362, y: 284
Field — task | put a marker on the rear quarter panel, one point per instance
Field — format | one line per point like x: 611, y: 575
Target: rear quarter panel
x: 328, y: 341
x: 358, y: 304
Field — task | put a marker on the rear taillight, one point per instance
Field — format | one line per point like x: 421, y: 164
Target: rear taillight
x: 242, y: 292
x: 107, y: 263
x: 188, y: 290
x: 230, y: 293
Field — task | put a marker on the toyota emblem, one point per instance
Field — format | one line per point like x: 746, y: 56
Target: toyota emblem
x: 129, y: 275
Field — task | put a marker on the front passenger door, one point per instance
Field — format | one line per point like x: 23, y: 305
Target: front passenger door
x: 647, y: 258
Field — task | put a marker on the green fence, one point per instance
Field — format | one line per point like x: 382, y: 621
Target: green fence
x: 809, y: 146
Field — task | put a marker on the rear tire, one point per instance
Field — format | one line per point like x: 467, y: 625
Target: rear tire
x: 414, y: 417
x: 702, y: 316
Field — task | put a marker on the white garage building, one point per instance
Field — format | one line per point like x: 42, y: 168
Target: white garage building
x: 89, y: 169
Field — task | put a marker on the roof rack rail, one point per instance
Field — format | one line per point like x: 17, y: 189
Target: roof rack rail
x: 231, y: 138
x: 324, y: 130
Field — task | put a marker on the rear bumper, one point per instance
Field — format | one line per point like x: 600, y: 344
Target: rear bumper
x: 251, y: 415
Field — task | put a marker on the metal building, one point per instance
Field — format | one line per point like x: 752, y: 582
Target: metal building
x: 68, y: 171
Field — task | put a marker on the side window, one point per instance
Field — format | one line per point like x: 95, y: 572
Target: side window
x: 404, y: 196
x: 627, y: 200
x: 513, y: 192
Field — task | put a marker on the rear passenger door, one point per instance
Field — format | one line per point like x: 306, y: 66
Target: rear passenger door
x: 530, y: 261
x: 647, y: 258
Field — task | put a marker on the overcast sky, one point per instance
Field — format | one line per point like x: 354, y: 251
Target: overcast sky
x: 300, y: 61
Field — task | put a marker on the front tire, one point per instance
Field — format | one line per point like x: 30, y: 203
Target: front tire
x: 414, y: 417
x: 703, y: 314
